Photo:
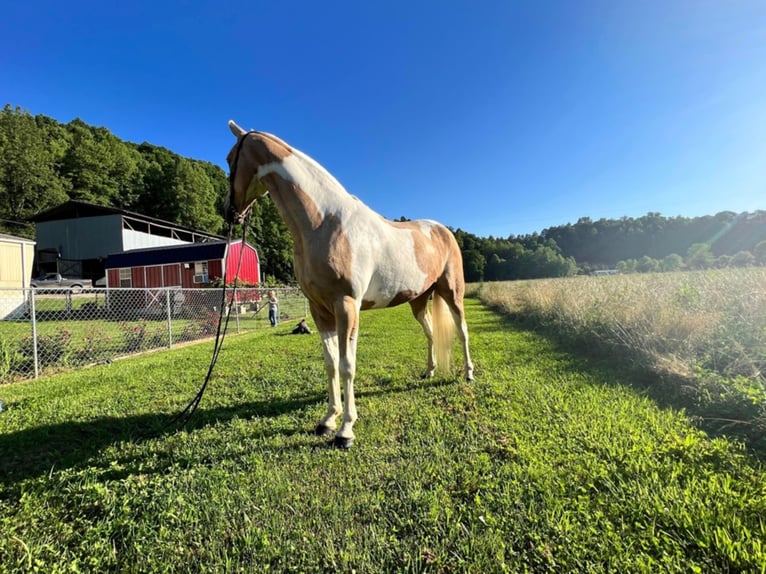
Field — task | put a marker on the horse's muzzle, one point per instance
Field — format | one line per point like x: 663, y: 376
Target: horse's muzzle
x: 232, y: 216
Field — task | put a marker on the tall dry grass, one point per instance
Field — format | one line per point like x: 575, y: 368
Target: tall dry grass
x: 708, y: 327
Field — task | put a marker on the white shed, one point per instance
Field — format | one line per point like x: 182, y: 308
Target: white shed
x: 16, y: 259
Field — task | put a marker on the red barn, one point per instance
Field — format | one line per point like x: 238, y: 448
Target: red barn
x: 185, y: 266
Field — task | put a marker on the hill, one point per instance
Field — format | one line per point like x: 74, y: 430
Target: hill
x: 44, y: 163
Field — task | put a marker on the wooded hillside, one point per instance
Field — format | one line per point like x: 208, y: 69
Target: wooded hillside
x: 44, y: 163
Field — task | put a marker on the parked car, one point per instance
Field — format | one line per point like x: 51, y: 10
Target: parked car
x: 56, y: 281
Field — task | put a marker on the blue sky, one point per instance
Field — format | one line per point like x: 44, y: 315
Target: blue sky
x: 498, y: 117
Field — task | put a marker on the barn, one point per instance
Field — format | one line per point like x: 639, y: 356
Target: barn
x: 75, y: 238
x: 183, y: 266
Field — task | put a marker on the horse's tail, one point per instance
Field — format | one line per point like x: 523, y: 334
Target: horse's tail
x: 444, y: 333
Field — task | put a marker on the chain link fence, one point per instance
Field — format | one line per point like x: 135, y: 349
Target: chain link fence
x: 42, y: 331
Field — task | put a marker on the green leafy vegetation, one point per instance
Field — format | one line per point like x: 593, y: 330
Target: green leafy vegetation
x: 548, y: 462
x: 44, y: 163
x: 647, y: 244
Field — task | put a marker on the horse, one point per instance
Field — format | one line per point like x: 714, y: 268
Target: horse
x: 348, y: 259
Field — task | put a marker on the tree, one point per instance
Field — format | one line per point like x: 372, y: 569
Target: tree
x: 672, y: 262
x: 759, y: 253
x: 195, y: 198
x: 28, y: 179
x: 743, y: 259
x: 627, y: 266
x: 647, y: 265
x: 473, y: 266
x: 722, y: 262
x: 699, y: 256
x: 100, y: 168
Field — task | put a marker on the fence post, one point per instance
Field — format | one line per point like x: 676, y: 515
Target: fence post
x: 170, y: 318
x: 33, y: 313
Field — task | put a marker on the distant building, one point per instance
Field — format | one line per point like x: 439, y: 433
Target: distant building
x: 75, y: 238
x: 185, y: 266
x: 599, y: 272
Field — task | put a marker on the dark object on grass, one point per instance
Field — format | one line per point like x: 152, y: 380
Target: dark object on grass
x: 302, y: 328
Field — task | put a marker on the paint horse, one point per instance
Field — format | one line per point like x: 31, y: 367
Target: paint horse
x: 349, y: 258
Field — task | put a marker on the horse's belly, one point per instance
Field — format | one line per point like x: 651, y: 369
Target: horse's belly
x: 385, y: 290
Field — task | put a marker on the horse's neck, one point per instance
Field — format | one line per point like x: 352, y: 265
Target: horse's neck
x: 305, y: 193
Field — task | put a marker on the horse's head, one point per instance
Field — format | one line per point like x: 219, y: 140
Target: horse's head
x: 253, y: 157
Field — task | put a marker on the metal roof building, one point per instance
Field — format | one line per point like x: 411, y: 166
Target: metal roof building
x: 75, y: 238
x: 188, y: 266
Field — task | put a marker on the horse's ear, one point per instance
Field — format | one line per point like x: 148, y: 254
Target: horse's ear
x: 235, y: 129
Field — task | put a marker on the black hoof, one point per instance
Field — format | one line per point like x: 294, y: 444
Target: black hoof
x: 342, y: 443
x: 322, y: 430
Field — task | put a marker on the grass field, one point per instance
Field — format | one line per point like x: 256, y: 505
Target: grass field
x: 702, y: 335
x: 548, y: 462
x: 92, y: 333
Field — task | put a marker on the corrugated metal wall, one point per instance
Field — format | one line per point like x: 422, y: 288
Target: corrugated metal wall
x: 171, y: 275
x: 79, y: 239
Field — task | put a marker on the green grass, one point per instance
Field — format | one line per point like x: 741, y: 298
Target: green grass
x: 548, y: 462
x: 77, y: 339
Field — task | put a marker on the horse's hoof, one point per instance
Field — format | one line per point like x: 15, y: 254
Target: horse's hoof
x: 322, y: 430
x: 342, y: 442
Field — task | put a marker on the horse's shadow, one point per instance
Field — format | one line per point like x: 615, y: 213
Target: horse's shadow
x: 37, y: 451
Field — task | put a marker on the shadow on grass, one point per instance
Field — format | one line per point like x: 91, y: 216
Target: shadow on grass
x: 717, y: 418
x: 37, y: 451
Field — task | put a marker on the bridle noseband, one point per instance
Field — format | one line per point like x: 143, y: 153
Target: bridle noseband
x: 232, y: 212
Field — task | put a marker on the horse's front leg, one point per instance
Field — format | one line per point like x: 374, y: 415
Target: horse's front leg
x: 326, y: 325
x: 327, y: 424
x: 347, y: 320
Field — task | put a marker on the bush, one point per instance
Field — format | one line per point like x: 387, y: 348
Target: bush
x: 50, y: 348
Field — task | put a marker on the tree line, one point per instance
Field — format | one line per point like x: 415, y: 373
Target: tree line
x: 44, y: 163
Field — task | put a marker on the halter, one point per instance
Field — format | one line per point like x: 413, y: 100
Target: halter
x: 232, y: 175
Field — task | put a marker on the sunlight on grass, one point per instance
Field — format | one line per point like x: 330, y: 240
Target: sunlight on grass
x: 546, y: 463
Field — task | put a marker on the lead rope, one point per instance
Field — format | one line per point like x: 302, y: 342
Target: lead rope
x: 185, y: 415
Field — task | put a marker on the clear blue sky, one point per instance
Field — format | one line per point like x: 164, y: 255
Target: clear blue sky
x: 498, y: 117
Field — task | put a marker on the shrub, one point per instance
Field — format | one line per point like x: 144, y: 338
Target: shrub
x: 134, y: 336
x: 91, y: 348
x: 50, y: 348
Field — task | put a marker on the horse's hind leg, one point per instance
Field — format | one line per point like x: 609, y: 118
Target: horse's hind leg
x: 462, y: 333
x: 454, y: 299
x: 422, y: 314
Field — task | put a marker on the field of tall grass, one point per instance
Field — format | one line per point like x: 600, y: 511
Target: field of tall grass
x: 703, y: 333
